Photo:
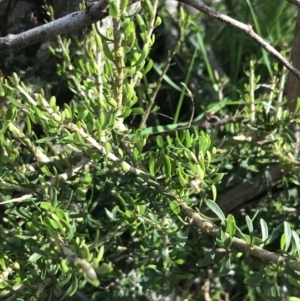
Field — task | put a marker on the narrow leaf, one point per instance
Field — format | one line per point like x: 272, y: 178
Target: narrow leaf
x: 215, y: 209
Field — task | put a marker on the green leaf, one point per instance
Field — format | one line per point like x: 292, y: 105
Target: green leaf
x: 46, y: 206
x: 137, y: 111
x: 214, y: 192
x: 225, y: 266
x: 215, y: 209
x: 65, y: 281
x: 72, y: 288
x: 227, y: 243
x: 294, y: 282
x: 151, y: 165
x: 39, y: 253
x: 51, y: 223
x: 230, y: 225
x: 24, y: 237
x: 249, y: 224
x: 175, y: 207
x: 288, y: 235
x: 34, y: 257
x: 11, y: 113
x: 114, y: 10
x: 275, y: 290
x: 264, y: 230
x: 208, y: 259
x: 297, y: 241
x: 16, y: 103
x: 148, y: 67
x: 168, y: 166
x: 99, y: 256
x: 104, y: 269
x: 159, y: 141
x: 256, y: 279
x: 110, y: 215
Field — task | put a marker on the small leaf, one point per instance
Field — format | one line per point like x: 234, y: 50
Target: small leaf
x: 168, y: 166
x: 264, y: 230
x: 215, y: 209
x: 294, y: 282
x: 175, y: 207
x: 293, y: 299
x: 275, y: 290
x: 210, y: 256
x: 46, y: 206
x: 114, y: 10
x: 288, y: 235
x: 137, y: 111
x: 105, y: 268
x: 11, y: 113
x: 225, y: 267
x: 230, y: 225
x: 34, y: 257
x: 249, y: 224
x: 227, y: 243
x: 160, y: 141
x: 256, y: 279
x: 110, y: 215
x: 297, y: 241
x: 148, y: 67
x: 73, y: 287
x: 99, y: 256
x: 51, y: 223
x: 214, y: 192
x: 151, y: 165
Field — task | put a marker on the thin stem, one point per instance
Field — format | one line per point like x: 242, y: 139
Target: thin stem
x: 160, y: 79
x: 119, y: 61
x: 251, y: 92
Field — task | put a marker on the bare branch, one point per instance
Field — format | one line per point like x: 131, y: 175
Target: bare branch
x: 23, y: 198
x: 245, y: 28
x: 72, y: 23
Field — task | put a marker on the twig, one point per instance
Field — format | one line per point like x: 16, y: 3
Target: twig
x: 119, y: 61
x: 72, y: 23
x: 245, y: 28
x: 18, y: 200
x: 110, y: 156
x: 9, y: 186
x: 162, y: 75
x: 75, y: 22
x: 70, y: 172
x: 211, y: 229
x: 39, y: 155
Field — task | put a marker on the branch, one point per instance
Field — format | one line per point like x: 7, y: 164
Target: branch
x: 245, y: 28
x: 77, y: 21
x: 211, y: 229
x: 23, y: 198
x: 72, y: 23
x: 248, y: 190
x: 296, y: 2
x: 109, y: 155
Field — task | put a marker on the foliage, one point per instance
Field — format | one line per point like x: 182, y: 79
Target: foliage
x: 95, y: 192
